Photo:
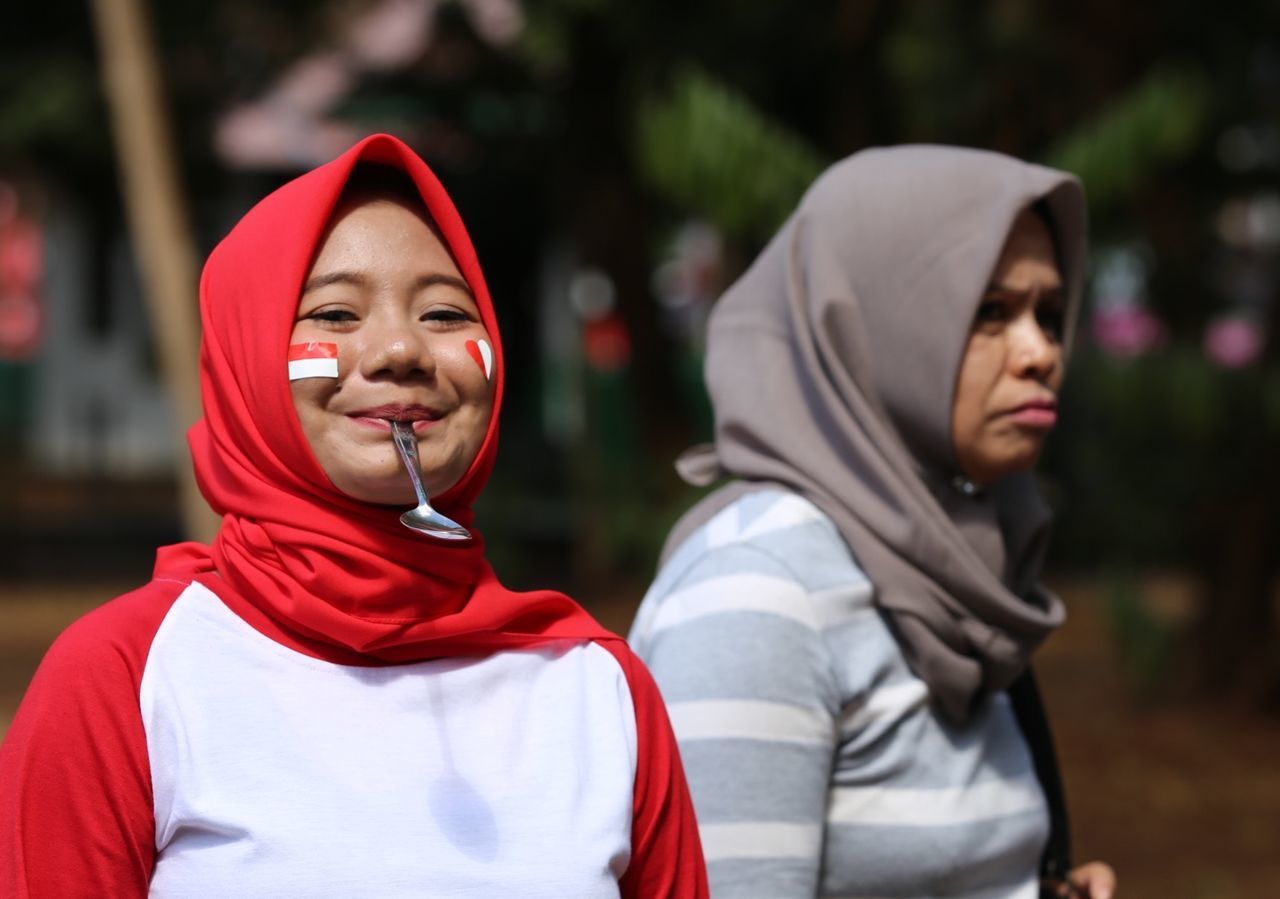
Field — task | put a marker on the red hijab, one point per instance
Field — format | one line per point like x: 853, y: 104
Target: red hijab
x: 296, y: 558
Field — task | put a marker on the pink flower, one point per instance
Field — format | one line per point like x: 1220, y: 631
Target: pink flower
x: 1233, y: 341
x: 1126, y: 331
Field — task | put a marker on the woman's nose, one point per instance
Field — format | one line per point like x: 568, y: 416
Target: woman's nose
x: 1035, y: 352
x: 394, y: 348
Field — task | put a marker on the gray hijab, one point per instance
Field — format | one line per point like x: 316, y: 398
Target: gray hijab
x: 831, y: 365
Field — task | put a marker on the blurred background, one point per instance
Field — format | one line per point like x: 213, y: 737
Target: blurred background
x: 618, y: 164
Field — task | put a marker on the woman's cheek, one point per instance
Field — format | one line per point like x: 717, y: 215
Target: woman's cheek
x: 467, y: 359
x: 480, y: 352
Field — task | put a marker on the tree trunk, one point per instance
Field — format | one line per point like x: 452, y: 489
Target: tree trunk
x: 158, y: 224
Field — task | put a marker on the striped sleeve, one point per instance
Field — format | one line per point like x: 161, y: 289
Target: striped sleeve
x: 736, y: 647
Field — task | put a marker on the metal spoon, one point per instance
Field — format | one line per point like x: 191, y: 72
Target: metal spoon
x: 423, y: 519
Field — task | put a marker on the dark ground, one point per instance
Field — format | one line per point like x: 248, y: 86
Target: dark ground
x: 1184, y: 800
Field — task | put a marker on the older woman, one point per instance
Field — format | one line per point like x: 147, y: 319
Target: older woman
x: 836, y: 629
x: 325, y: 702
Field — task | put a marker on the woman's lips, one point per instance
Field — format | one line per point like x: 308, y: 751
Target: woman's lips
x: 380, y: 417
x: 1036, y: 414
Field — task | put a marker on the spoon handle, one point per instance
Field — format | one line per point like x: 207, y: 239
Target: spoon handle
x: 407, y: 445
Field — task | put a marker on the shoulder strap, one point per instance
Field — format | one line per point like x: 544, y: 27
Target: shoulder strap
x: 1055, y: 863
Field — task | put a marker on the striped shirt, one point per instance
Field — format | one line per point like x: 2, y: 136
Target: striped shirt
x: 818, y: 764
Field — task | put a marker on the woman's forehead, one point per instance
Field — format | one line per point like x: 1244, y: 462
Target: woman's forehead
x: 1030, y: 240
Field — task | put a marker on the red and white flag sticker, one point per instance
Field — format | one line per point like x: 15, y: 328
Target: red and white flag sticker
x: 313, y: 360
x: 483, y: 354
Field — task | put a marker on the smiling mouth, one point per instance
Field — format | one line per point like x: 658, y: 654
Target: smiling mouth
x: 398, y: 413
x: 385, y: 414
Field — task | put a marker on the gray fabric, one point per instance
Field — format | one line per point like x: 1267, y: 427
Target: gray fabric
x: 792, y: 700
x: 831, y: 365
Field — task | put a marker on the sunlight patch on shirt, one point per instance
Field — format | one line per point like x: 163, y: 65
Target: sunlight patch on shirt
x: 788, y: 512
x: 722, y: 529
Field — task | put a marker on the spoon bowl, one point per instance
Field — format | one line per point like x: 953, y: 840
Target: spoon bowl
x: 423, y: 518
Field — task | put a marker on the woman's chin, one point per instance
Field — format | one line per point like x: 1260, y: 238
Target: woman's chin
x: 397, y: 492
x: 990, y: 468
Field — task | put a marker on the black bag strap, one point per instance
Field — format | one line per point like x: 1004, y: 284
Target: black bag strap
x: 1055, y: 863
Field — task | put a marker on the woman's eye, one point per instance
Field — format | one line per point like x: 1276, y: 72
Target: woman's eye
x: 1051, y: 321
x: 446, y: 316
x: 990, y: 311
x: 331, y: 315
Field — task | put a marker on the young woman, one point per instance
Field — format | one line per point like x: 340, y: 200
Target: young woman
x: 324, y: 702
x: 834, y: 631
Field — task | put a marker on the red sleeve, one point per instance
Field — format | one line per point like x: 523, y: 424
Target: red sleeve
x: 666, y: 854
x: 76, y: 814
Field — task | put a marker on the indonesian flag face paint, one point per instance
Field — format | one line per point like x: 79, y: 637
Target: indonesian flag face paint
x: 483, y: 354
x: 313, y: 360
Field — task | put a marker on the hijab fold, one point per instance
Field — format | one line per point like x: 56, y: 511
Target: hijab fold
x: 831, y: 366
x: 294, y: 556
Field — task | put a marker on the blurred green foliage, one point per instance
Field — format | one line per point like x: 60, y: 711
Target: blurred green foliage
x: 712, y: 152
x: 608, y: 125
x: 48, y: 100
x: 1157, y: 122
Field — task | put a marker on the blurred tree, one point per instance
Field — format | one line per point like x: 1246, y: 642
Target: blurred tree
x: 611, y: 123
x: 709, y: 150
x: 159, y: 222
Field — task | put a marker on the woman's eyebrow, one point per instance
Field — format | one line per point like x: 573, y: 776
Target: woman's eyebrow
x: 1049, y: 293
x: 358, y: 280
x: 448, y: 280
x: 353, y: 278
